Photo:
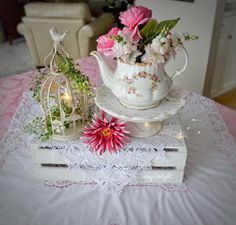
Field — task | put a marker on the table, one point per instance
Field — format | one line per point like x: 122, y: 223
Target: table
x: 207, y: 196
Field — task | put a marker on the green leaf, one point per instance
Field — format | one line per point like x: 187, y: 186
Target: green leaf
x: 166, y: 25
x: 152, y: 28
x: 149, y: 29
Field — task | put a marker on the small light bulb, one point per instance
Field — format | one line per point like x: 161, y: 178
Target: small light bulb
x: 66, y: 96
x: 180, y: 136
x: 146, y: 124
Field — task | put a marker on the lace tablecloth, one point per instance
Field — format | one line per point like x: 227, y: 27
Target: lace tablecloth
x: 207, y: 196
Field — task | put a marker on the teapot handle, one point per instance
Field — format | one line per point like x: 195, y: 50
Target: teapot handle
x: 179, y: 72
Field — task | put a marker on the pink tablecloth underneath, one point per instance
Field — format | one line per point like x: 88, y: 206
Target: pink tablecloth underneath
x: 11, y: 89
x: 229, y: 116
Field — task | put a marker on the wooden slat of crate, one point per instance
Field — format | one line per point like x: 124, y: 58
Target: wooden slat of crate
x: 172, y: 159
x: 60, y: 173
x: 145, y: 177
x: 46, y: 156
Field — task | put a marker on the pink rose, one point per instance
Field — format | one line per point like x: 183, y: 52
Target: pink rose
x: 106, y: 43
x: 134, y: 17
x: 132, y: 35
x: 114, y: 31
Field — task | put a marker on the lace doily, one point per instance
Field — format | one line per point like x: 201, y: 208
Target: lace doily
x: 110, y: 172
x: 223, y: 141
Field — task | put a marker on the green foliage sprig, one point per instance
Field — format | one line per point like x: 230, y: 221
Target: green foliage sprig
x: 66, y: 65
x: 40, y: 128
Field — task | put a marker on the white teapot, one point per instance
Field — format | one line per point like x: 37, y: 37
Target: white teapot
x: 139, y: 85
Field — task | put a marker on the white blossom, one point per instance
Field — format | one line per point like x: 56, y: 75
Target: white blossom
x: 132, y: 57
x: 58, y: 126
x: 152, y: 56
x: 157, y: 51
x: 160, y: 50
x: 161, y: 44
x: 163, y: 48
x: 126, y: 50
x: 177, y: 39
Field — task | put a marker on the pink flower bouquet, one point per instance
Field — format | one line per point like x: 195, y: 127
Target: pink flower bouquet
x: 142, y: 39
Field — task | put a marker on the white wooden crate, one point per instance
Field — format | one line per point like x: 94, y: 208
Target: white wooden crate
x: 51, y: 165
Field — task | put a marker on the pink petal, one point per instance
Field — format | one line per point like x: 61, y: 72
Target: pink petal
x: 113, y: 120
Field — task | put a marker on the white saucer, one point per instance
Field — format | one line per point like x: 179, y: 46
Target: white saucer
x: 169, y: 106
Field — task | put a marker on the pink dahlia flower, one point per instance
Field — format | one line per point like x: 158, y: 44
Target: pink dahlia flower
x: 106, y: 43
x: 134, y: 17
x: 105, y: 135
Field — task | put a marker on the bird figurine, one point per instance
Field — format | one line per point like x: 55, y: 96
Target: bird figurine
x: 57, y: 37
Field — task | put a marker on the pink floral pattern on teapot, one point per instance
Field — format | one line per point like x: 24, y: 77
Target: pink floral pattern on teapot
x: 142, y: 75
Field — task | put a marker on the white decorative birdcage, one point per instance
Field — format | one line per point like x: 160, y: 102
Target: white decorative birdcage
x: 65, y: 106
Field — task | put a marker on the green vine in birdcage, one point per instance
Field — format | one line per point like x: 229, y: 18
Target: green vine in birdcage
x: 41, y: 127
x: 81, y: 81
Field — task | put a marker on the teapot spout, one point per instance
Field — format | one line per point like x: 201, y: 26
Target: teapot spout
x: 105, y: 71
